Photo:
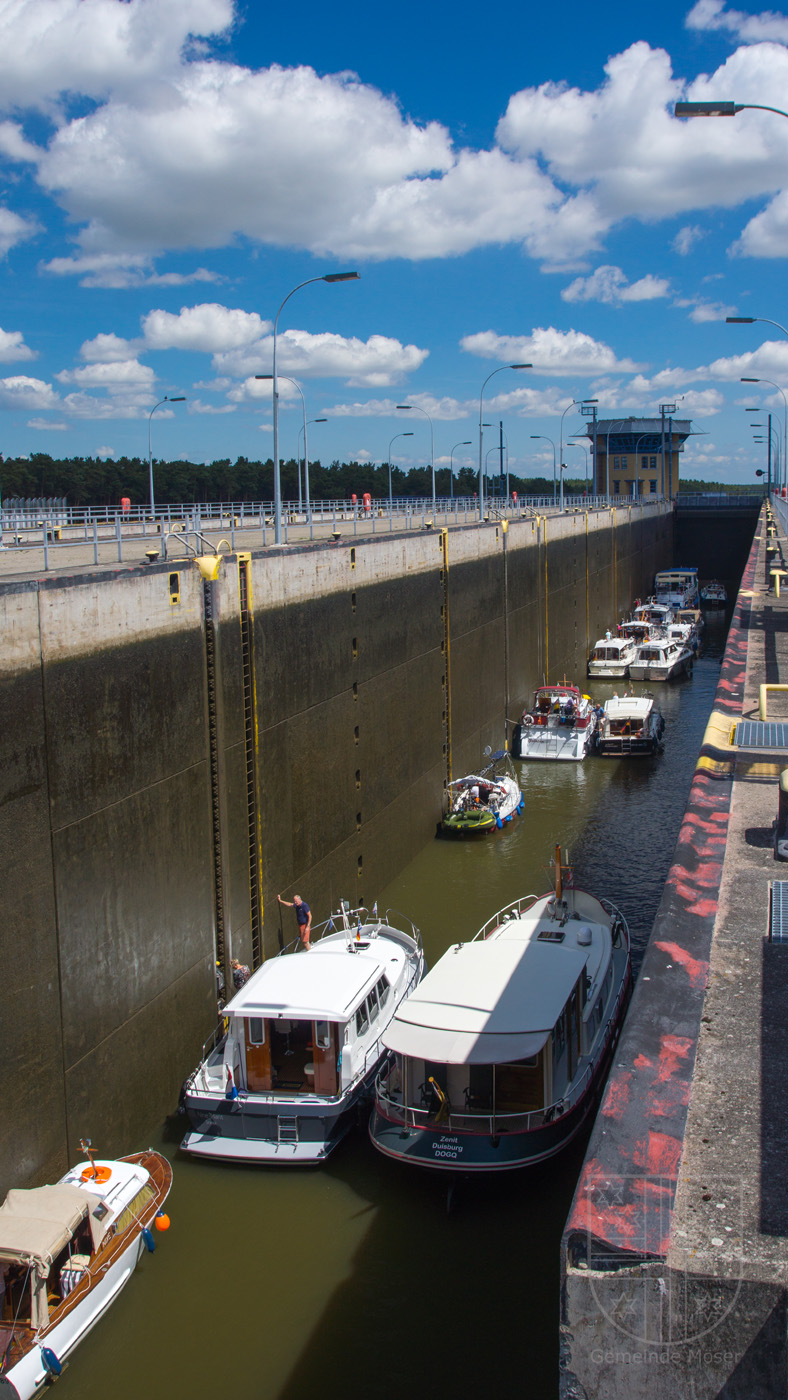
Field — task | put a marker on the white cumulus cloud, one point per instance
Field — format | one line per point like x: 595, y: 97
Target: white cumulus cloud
x: 610, y: 284
x: 210, y: 328
x: 113, y: 375
x: 748, y: 29
x: 20, y: 391
x: 378, y: 361
x: 14, y: 229
x: 12, y: 347
x: 550, y: 351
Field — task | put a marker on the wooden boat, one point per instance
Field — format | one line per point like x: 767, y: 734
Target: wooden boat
x: 303, y: 1043
x: 560, y: 724
x: 629, y: 726
x: 482, y: 802
x: 500, y: 1052
x: 66, y: 1251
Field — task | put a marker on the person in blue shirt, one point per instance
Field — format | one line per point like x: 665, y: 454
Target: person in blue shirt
x: 303, y: 917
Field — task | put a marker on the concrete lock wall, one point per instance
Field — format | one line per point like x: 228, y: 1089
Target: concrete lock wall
x: 178, y: 751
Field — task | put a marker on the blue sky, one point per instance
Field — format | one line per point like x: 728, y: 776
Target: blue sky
x: 511, y: 185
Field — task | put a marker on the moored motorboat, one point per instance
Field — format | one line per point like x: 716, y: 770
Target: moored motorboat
x: 66, y: 1251
x: 560, y: 724
x: 654, y: 613
x: 662, y: 659
x: 303, y: 1043
x: 714, y: 594
x: 500, y: 1052
x: 677, y: 587
x: 611, y: 656
x: 629, y: 726
x: 484, y: 801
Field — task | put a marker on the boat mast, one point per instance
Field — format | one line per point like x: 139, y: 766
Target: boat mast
x: 559, y: 887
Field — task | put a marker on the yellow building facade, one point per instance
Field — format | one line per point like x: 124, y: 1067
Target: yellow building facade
x: 637, y: 456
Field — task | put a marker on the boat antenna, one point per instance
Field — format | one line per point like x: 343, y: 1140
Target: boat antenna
x: 85, y: 1145
x: 559, y: 886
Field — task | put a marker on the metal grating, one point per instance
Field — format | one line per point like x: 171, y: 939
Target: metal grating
x: 778, y: 924
x: 761, y: 734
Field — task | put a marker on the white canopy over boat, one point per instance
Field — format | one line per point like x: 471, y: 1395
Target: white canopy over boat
x: 323, y: 985
x: 486, y: 1002
x: 35, y: 1225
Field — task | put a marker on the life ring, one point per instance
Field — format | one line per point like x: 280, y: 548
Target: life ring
x: 97, y: 1173
x: 528, y: 719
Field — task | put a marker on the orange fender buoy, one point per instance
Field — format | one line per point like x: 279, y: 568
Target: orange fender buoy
x: 162, y: 1221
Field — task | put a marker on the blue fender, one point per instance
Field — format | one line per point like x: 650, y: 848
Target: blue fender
x: 498, y: 822
x: 51, y: 1363
x: 150, y: 1243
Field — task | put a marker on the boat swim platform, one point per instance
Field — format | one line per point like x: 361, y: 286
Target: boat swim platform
x: 675, y: 1253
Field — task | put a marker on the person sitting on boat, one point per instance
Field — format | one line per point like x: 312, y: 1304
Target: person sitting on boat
x: 303, y: 917
x: 474, y: 794
x: 568, y: 710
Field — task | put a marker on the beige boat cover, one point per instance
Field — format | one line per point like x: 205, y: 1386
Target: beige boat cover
x: 35, y: 1225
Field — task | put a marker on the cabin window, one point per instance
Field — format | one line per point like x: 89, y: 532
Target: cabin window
x: 134, y: 1209
x: 372, y: 1006
x: 652, y: 486
x: 323, y: 1035
x: 362, y: 1019
x: 383, y: 990
x: 256, y: 1031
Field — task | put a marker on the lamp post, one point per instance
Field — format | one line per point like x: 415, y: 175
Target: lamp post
x: 561, y: 438
x: 394, y: 439
x: 179, y: 398
x: 469, y: 443
x: 721, y: 109
x: 774, y: 437
x: 584, y: 449
x: 408, y: 408
x: 327, y: 277
x: 306, y: 465
x: 481, y: 430
x: 297, y: 386
x: 540, y: 437
x: 782, y: 481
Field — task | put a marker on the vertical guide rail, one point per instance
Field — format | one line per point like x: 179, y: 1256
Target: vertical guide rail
x: 446, y: 650
x: 209, y: 609
x: 250, y: 740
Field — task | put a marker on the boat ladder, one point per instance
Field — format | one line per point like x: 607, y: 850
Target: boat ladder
x: 287, y: 1130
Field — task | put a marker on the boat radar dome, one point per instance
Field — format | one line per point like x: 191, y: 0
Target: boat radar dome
x: 583, y: 936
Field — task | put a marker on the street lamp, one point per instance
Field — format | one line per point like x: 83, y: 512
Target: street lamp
x: 179, y: 398
x: 481, y: 430
x: 584, y: 402
x: 584, y: 449
x: 785, y: 414
x: 408, y: 408
x: 297, y: 386
x: 306, y: 465
x: 469, y: 443
x: 327, y: 277
x: 540, y: 437
x: 721, y: 109
x: 394, y: 439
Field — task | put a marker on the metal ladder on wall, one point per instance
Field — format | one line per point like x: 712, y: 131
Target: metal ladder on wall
x: 287, y: 1131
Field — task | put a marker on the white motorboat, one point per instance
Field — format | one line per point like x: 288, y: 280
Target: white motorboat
x: 629, y: 726
x: 560, y: 724
x: 66, y: 1251
x: 611, y: 656
x: 662, y: 659
x: 303, y: 1043
x: 714, y: 594
x: 499, y: 1054
x: 677, y: 587
x: 484, y: 801
x: 654, y: 613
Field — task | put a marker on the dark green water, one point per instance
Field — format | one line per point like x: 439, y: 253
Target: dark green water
x: 355, y: 1278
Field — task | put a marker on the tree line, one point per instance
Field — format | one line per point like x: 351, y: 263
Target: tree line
x: 91, y: 481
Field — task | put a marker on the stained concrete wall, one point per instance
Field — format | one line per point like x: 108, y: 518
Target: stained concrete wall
x: 107, y: 806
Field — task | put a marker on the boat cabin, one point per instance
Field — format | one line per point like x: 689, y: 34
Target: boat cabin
x: 677, y: 587
x: 498, y: 1026
x: 558, y: 704
x: 305, y: 1024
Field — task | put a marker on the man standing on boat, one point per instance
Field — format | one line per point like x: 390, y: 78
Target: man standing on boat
x: 303, y: 916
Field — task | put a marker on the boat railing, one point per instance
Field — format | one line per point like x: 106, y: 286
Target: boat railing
x: 360, y: 920
x: 511, y: 911
x: 472, y: 1120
